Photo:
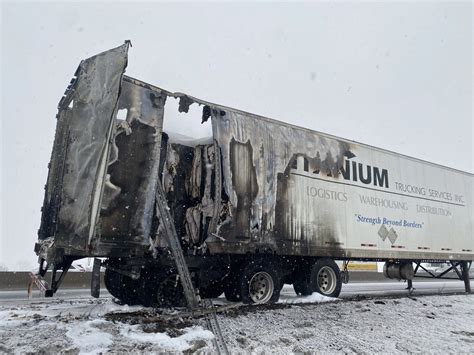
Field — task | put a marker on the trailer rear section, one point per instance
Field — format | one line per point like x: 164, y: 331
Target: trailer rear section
x: 257, y: 204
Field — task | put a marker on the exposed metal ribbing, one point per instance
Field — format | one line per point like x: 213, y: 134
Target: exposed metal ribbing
x: 166, y: 219
x: 213, y: 326
x: 192, y: 298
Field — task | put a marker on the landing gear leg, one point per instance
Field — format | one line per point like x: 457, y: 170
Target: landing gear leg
x: 55, y: 282
x: 95, y: 279
x: 410, y: 286
x: 465, y: 266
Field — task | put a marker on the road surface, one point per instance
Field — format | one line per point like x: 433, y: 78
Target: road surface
x: 351, y: 290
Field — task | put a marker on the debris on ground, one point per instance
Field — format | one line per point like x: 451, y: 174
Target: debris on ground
x: 389, y: 325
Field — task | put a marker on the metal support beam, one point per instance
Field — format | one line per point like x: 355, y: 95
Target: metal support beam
x: 416, y: 268
x: 166, y: 219
x: 164, y: 215
x: 95, y: 279
x: 213, y: 326
x: 455, y: 268
x: 425, y: 270
x: 55, y: 283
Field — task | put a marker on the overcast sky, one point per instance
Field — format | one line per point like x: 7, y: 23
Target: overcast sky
x: 394, y: 75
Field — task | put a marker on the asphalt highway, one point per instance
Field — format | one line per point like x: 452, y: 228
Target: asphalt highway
x: 351, y: 290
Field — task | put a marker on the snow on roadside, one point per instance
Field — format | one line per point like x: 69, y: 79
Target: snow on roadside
x: 313, y: 298
x: 164, y: 341
x: 58, y: 325
x: 88, y: 337
x: 299, y: 324
x: 423, y: 324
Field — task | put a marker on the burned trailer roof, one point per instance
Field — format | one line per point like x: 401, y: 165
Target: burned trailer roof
x: 255, y: 153
x: 258, y: 212
x: 188, y: 100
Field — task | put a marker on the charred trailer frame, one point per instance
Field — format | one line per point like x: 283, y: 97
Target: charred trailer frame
x: 259, y: 204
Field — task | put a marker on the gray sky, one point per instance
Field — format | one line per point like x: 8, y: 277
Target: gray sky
x: 394, y: 75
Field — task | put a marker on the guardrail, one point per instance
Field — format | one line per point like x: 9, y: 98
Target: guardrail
x: 19, y: 280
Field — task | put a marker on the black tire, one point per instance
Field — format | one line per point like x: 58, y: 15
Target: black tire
x: 302, y: 278
x: 112, y: 281
x: 160, y: 288
x: 122, y: 287
x: 231, y: 288
x: 302, y: 283
x: 170, y: 292
x: 149, y: 282
x: 259, y: 279
x: 212, y: 290
x: 282, y: 283
x: 326, y: 278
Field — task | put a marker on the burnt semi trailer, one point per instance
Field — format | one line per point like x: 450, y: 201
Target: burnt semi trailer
x: 259, y: 204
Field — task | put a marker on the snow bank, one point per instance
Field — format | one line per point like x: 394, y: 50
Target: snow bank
x: 313, y: 298
x: 89, y: 308
x: 88, y: 337
x: 163, y: 340
x: 312, y: 324
x: 79, y: 326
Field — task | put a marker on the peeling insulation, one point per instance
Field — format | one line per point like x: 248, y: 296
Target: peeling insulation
x: 188, y: 180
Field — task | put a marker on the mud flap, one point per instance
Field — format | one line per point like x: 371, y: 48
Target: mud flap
x: 95, y: 280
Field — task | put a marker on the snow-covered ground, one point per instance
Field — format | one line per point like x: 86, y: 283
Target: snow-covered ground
x: 425, y: 324
x: 81, y: 325
x: 442, y: 323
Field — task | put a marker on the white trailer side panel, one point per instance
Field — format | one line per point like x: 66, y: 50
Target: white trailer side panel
x: 420, y: 209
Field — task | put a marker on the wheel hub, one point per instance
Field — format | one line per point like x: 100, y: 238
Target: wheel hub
x: 326, y: 280
x: 261, y: 287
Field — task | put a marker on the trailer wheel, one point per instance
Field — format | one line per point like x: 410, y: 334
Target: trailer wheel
x: 161, y: 288
x: 326, y: 278
x: 170, y: 292
x: 302, y: 283
x: 121, y: 287
x: 112, y: 283
x: 149, y: 282
x: 231, y: 288
x: 259, y: 283
x: 212, y: 290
